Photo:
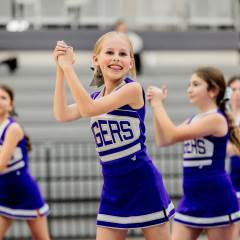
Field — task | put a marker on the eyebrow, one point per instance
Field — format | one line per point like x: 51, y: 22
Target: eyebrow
x: 122, y: 49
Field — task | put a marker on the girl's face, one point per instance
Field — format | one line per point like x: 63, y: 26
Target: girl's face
x: 235, y: 99
x: 198, y: 92
x: 114, y: 58
x: 5, y: 103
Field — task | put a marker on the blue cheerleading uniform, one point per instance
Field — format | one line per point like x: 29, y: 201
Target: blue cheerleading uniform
x: 209, y: 199
x: 235, y: 170
x: 133, y: 194
x: 20, y: 197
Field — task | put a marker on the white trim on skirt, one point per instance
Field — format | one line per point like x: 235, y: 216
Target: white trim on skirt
x: 207, y: 220
x: 135, y: 219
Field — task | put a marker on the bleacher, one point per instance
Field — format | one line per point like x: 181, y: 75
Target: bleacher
x: 64, y: 160
x: 156, y: 14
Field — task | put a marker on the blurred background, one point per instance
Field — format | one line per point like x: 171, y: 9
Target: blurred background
x: 177, y: 36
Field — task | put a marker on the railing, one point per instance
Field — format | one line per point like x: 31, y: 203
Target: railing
x: 70, y: 179
x: 160, y: 14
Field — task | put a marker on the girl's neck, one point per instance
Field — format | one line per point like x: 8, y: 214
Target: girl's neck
x: 208, y: 108
x: 3, y: 118
x: 236, y: 111
x: 110, y: 86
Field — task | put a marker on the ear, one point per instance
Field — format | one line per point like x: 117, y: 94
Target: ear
x: 131, y: 64
x: 10, y: 108
x: 95, y: 60
x: 213, y: 93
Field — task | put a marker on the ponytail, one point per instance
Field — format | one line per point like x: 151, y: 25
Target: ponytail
x: 98, y: 79
x: 216, y: 81
x: 29, y: 143
x: 234, y: 131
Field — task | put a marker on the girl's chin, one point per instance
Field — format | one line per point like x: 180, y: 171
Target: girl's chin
x: 116, y: 76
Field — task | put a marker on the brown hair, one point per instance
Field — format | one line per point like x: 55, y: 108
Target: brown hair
x: 98, y: 77
x: 10, y: 93
x: 118, y: 23
x: 216, y: 81
x: 233, y: 79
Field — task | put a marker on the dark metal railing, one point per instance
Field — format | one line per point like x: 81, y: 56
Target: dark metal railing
x: 70, y: 180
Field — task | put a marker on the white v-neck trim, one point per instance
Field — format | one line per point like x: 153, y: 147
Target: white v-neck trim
x: 199, y: 115
x: 116, y: 88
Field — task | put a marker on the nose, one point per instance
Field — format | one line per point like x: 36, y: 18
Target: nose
x: 115, y: 58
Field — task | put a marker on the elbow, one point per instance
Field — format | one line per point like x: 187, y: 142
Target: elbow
x: 162, y: 144
x: 166, y: 144
x: 2, y: 168
x: 158, y: 143
x: 59, y: 118
x: 86, y: 112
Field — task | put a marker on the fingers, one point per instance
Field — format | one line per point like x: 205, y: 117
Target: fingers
x: 63, y: 54
x: 150, y: 93
x: 70, y: 54
x: 155, y: 93
x: 165, y: 91
x: 62, y: 49
x: 59, y: 50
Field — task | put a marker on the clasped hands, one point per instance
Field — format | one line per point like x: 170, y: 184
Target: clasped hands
x: 63, y: 54
x: 156, y: 96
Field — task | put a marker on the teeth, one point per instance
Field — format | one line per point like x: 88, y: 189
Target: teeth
x: 115, y: 67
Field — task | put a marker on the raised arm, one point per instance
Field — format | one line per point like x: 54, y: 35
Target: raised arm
x: 130, y: 94
x: 62, y: 111
x: 164, y: 129
x: 167, y: 133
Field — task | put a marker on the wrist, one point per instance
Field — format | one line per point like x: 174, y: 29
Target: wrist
x: 157, y: 105
x: 67, y: 67
x: 59, y: 69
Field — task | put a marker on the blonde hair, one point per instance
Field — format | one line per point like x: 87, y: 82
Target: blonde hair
x: 98, y: 79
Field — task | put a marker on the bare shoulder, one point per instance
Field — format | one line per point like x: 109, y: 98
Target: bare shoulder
x: 136, y: 95
x: 133, y: 86
x: 15, y: 130
x: 217, y: 118
x: 218, y: 123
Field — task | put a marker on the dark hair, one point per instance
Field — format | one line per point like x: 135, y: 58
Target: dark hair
x: 216, y: 81
x: 10, y: 93
x: 233, y: 79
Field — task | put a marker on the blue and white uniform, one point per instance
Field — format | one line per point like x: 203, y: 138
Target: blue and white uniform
x: 209, y: 199
x: 133, y: 194
x: 235, y: 170
x: 20, y: 197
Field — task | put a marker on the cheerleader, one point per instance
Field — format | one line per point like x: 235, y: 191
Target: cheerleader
x: 209, y: 201
x: 20, y: 197
x: 133, y: 194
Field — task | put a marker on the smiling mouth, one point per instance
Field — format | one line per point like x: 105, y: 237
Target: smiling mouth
x: 115, y: 67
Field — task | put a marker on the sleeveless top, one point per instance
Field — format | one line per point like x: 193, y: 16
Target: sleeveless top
x: 19, y: 159
x: 120, y: 134
x: 205, y: 155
